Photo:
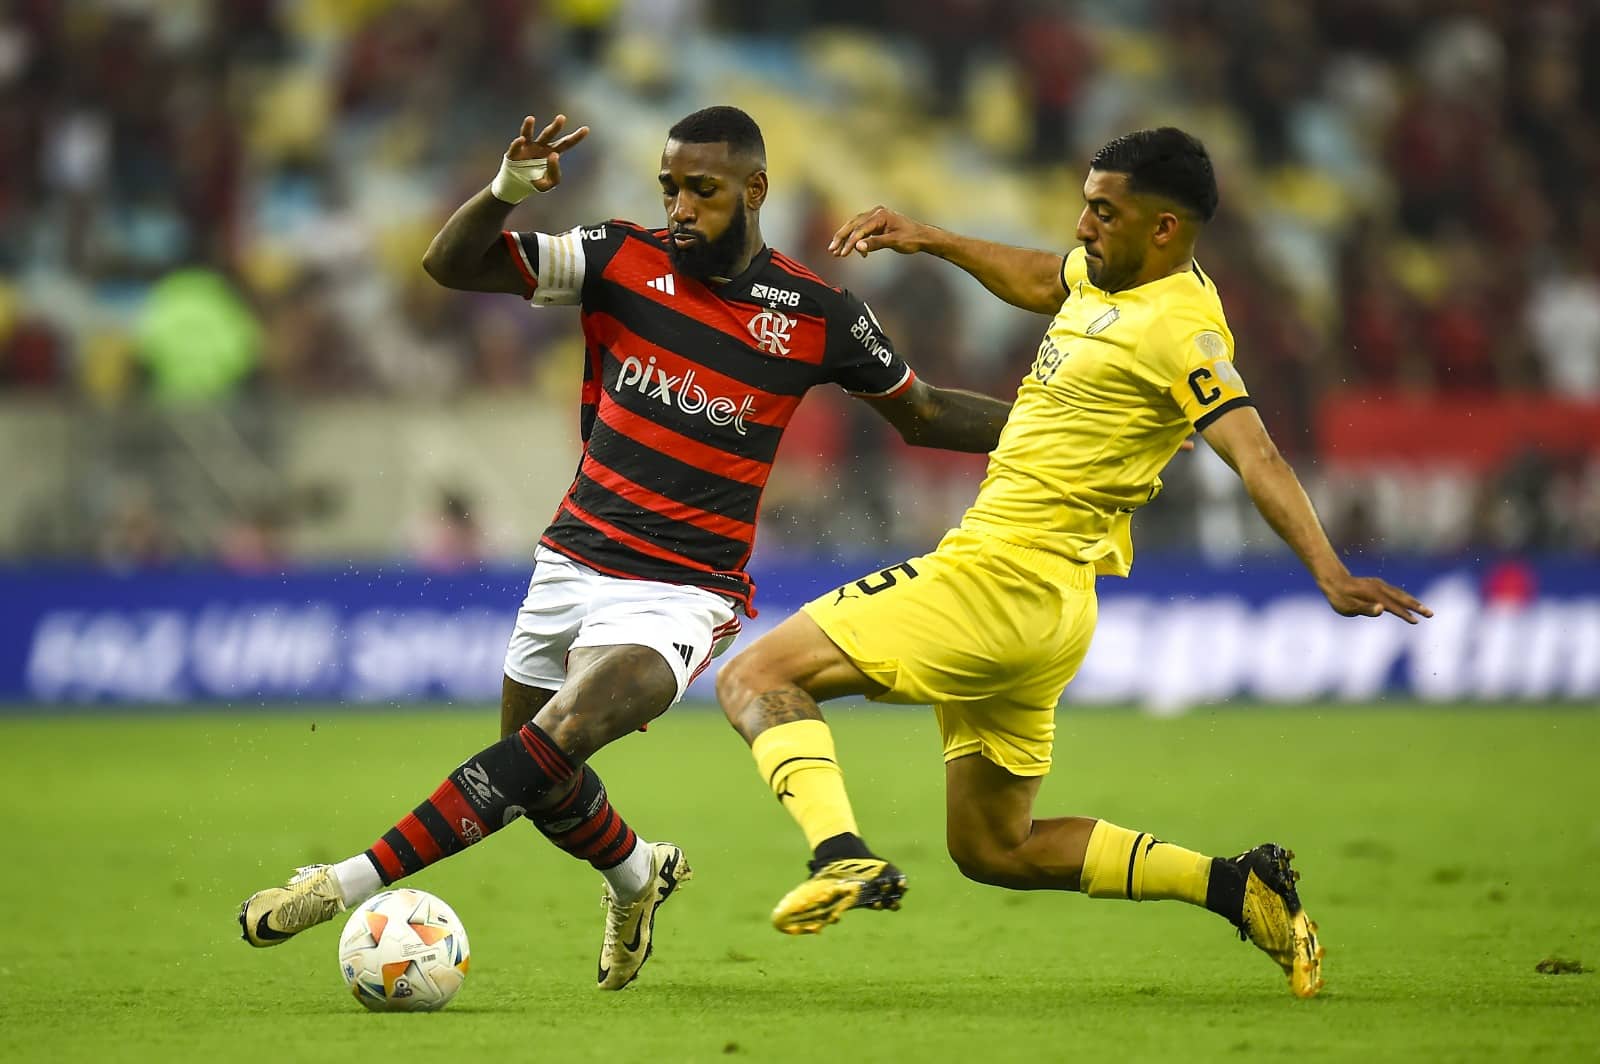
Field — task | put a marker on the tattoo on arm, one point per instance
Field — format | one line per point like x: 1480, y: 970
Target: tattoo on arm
x: 963, y: 421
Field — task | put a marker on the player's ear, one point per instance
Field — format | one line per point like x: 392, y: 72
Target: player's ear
x: 1166, y: 228
x: 755, y: 190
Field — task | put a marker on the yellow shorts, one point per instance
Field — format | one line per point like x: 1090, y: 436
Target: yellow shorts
x: 987, y: 632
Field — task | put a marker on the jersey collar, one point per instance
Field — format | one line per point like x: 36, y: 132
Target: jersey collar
x: 748, y: 274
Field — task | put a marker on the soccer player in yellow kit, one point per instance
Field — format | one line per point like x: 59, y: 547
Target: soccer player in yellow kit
x: 991, y: 626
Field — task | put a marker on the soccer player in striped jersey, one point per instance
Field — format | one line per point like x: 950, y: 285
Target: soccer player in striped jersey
x: 700, y: 343
x: 991, y: 626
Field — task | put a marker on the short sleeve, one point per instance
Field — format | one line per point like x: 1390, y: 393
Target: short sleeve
x: 555, y: 266
x: 1074, y: 269
x: 1195, y: 365
x: 860, y: 357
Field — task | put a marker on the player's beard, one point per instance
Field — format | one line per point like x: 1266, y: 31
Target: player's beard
x: 1109, y: 278
x: 713, y: 258
x: 1095, y: 272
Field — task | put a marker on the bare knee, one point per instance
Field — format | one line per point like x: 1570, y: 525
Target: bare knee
x: 983, y: 861
x: 609, y: 692
x: 784, y: 675
x: 760, y: 691
x: 743, y: 680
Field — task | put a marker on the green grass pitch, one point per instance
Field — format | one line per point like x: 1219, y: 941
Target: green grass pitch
x: 1444, y: 853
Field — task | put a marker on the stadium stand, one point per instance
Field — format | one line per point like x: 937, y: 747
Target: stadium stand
x: 211, y: 216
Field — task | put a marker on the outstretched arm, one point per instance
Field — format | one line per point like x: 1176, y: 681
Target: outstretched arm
x: 947, y: 418
x: 468, y: 252
x: 1242, y: 441
x: 1020, y: 276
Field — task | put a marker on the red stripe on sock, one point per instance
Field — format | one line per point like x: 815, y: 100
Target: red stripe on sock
x: 388, y: 860
x: 616, y: 854
x: 553, y: 761
x: 614, y: 829
x: 427, y: 849
x: 453, y: 806
x: 580, y: 838
x: 565, y: 804
x: 541, y: 757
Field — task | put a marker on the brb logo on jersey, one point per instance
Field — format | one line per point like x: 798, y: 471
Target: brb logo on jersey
x: 650, y: 380
x: 775, y: 295
x: 772, y: 328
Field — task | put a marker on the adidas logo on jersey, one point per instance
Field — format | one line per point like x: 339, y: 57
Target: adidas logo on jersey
x: 664, y: 284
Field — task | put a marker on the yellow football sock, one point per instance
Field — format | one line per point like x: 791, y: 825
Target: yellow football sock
x: 797, y: 761
x: 1125, y: 864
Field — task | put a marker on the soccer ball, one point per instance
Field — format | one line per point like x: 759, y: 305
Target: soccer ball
x: 403, y: 951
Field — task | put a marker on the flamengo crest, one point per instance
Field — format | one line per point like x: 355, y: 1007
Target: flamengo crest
x: 771, y: 328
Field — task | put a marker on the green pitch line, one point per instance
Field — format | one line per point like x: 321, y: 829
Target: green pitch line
x: 1445, y: 854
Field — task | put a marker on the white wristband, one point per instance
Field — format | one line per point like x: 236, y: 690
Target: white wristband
x: 514, y: 182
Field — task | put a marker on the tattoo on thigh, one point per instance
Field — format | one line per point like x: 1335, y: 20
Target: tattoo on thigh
x: 782, y: 706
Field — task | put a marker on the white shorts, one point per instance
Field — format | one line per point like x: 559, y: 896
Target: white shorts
x: 570, y: 605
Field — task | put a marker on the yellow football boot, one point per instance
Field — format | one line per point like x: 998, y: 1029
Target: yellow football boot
x: 836, y: 887
x: 1274, y: 920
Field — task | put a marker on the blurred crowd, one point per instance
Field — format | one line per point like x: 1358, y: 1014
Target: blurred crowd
x: 226, y: 203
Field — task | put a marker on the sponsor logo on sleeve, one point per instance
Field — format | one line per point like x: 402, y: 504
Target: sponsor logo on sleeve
x: 1211, y: 345
x: 869, y: 334
x: 1225, y: 372
x: 1218, y: 370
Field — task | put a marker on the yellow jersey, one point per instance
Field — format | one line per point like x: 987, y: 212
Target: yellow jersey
x: 1120, y: 380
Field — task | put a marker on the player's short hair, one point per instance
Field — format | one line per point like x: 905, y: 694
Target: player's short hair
x: 1164, y: 162
x: 722, y: 125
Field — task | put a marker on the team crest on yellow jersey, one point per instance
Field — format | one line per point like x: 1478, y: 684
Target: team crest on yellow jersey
x: 1103, y: 322
x: 1050, y: 356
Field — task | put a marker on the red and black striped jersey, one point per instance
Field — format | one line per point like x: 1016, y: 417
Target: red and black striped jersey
x: 687, y: 389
